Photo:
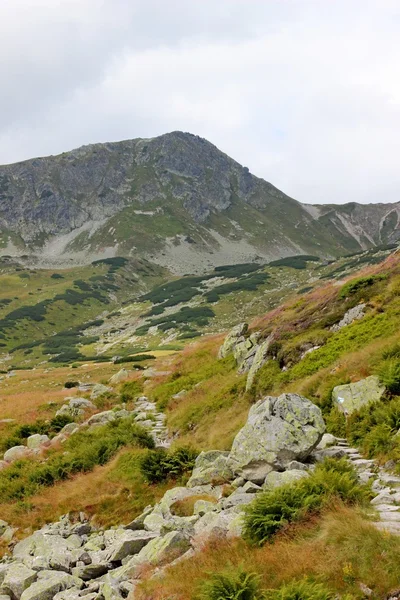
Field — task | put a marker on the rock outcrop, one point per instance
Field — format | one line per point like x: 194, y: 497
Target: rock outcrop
x: 353, y: 314
x: 278, y: 431
x: 249, y: 351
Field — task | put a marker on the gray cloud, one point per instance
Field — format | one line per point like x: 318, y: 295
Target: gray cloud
x: 303, y: 92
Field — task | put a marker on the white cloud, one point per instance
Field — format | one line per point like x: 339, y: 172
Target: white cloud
x: 303, y: 92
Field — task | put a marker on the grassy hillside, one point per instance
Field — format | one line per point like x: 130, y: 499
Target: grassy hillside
x: 332, y: 550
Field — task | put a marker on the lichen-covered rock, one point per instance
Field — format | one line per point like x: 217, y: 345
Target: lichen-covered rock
x: 277, y: 479
x: 235, y: 336
x: 225, y: 524
x: 278, y: 430
x: 353, y: 396
x: 49, y: 584
x: 260, y: 358
x: 128, y: 543
x: 211, y: 467
x: 70, y: 428
x: 201, y: 507
x: 172, y: 544
x: 36, y: 441
x: 18, y: 578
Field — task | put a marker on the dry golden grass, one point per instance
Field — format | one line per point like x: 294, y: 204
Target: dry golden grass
x: 103, y: 493
x: 341, y: 550
x: 30, y: 394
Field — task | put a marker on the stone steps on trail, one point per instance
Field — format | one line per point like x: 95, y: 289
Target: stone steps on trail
x: 386, y: 485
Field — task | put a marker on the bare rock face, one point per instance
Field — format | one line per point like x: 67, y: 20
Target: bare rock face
x: 278, y: 431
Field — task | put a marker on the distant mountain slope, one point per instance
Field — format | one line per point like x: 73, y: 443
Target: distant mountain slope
x: 175, y: 200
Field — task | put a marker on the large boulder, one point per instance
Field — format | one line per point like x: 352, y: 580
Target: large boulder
x: 352, y: 396
x: 278, y: 431
x: 211, y: 467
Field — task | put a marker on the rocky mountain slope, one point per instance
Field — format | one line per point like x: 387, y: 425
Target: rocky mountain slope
x: 175, y: 200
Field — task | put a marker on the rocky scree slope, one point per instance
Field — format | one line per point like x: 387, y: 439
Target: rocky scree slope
x: 175, y: 199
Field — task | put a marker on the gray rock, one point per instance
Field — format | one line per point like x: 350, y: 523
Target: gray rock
x: 122, y: 375
x: 18, y: 578
x: 201, y: 507
x: 238, y: 498
x: 16, y: 453
x: 295, y: 465
x: 211, y: 467
x: 250, y: 488
x: 128, y: 543
x: 225, y: 524
x: 102, y: 418
x: 357, y: 312
x: 99, y: 389
x: 237, y: 333
x: 82, y: 403
x: 36, y: 441
x: 353, y: 396
x: 278, y: 430
x: 68, y: 411
x: 320, y: 455
x: 88, y: 572
x: 159, y: 549
x: 138, y: 523
x: 70, y: 428
x: 260, y: 358
x: 49, y: 585
x: 327, y: 440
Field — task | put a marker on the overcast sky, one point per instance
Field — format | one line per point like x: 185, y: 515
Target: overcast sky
x: 306, y: 93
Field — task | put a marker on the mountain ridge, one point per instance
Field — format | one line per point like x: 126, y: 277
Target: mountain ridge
x: 176, y: 200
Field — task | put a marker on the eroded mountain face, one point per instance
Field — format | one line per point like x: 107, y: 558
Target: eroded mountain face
x: 176, y: 200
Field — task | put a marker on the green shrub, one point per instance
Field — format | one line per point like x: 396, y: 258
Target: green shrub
x: 300, y: 590
x: 80, y: 453
x: 159, y: 465
x: 389, y: 375
x: 231, y: 585
x: 277, y: 508
x: 361, y: 283
x: 71, y: 384
x: 130, y: 389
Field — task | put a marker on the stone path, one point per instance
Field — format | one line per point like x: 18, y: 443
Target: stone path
x: 385, y: 485
x: 149, y: 418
